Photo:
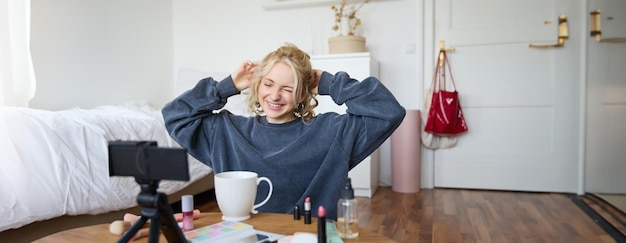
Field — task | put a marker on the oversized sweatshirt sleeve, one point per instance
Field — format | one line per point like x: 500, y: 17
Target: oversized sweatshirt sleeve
x: 190, y: 117
x: 373, y: 113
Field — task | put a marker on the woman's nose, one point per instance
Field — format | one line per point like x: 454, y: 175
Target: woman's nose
x: 275, y: 95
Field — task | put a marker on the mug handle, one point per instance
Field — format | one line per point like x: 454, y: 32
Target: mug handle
x: 269, y: 194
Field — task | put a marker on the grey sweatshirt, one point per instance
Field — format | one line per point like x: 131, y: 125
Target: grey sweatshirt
x: 302, y: 159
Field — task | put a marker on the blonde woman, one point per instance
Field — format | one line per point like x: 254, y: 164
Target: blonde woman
x: 304, y: 154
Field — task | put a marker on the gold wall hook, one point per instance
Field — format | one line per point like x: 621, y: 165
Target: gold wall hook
x: 563, y: 34
x: 595, y: 27
x: 442, y: 49
x: 442, y: 46
x: 595, y: 24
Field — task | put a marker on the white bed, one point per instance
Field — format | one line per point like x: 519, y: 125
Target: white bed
x: 55, y: 163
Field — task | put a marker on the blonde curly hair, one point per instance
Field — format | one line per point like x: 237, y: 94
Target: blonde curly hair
x: 303, y: 85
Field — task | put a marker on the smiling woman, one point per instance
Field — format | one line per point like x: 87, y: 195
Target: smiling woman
x: 304, y: 155
x: 276, y: 94
x: 285, y: 86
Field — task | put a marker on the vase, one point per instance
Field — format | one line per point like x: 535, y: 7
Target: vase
x: 344, y: 26
x: 346, y: 44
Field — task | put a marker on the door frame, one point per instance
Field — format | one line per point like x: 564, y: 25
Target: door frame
x: 427, y: 59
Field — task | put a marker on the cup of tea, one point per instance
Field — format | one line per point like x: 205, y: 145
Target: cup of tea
x: 235, y: 192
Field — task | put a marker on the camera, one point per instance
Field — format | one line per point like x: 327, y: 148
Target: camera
x: 145, y: 161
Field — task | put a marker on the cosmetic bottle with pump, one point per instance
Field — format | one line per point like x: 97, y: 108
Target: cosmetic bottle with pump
x: 347, y: 214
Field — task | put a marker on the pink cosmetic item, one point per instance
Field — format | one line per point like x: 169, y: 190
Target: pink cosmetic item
x: 187, y: 208
x: 321, y: 224
x: 307, y: 210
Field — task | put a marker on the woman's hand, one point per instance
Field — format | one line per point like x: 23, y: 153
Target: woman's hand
x: 242, y: 77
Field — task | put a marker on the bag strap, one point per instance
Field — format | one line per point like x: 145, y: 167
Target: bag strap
x: 447, y: 63
x: 434, y: 86
x: 440, y: 73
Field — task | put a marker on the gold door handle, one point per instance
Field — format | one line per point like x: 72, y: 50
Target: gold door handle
x: 595, y: 26
x: 563, y: 34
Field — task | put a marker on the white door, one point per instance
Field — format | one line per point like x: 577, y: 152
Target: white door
x: 521, y: 104
x: 605, y: 170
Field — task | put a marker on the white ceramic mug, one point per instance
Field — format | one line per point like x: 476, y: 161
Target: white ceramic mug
x: 235, y: 192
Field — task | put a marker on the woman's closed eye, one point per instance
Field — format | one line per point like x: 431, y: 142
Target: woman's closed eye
x: 270, y: 85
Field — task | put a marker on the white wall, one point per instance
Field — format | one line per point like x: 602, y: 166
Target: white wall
x: 94, y: 52
x: 215, y: 36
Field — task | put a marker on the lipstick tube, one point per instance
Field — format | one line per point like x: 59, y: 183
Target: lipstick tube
x: 321, y: 224
x: 307, y: 210
x: 296, y: 213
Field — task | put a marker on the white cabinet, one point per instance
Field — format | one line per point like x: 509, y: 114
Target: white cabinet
x: 359, y: 66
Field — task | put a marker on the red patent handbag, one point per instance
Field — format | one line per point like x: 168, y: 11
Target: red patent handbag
x: 445, y: 116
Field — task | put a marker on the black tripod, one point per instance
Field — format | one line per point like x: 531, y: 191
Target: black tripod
x: 154, y: 206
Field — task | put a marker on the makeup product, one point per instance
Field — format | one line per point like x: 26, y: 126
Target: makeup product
x: 296, y: 213
x: 307, y: 210
x: 187, y: 208
x: 321, y: 224
x: 118, y: 227
x: 179, y: 216
x: 347, y: 214
x: 230, y: 231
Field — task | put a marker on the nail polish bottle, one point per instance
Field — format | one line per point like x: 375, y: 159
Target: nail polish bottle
x: 347, y: 213
x: 187, y: 210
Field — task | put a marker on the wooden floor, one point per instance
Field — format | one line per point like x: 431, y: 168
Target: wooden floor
x: 454, y: 215
x: 614, y: 216
x: 618, y: 201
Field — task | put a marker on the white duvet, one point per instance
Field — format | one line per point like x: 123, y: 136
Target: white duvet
x: 56, y: 163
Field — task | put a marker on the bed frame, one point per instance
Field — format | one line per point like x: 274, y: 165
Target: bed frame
x: 37, y: 230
